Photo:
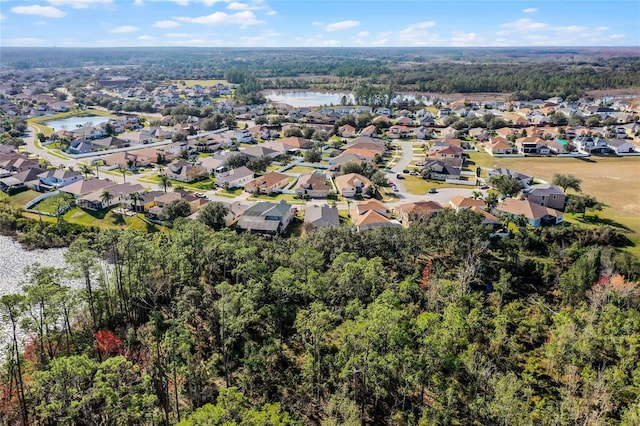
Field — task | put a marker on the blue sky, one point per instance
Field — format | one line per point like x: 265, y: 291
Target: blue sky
x: 318, y: 23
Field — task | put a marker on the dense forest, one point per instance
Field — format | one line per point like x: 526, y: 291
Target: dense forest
x: 528, y: 73
x: 439, y: 323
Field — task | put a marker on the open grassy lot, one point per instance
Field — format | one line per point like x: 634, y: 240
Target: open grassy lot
x: 417, y: 185
x: 302, y: 169
x: 204, y: 83
x: 613, y: 181
x: 289, y: 198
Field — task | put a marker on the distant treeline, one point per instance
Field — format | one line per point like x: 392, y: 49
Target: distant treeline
x: 527, y: 72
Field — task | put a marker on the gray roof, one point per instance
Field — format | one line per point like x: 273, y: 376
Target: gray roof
x: 265, y: 208
x: 323, y: 215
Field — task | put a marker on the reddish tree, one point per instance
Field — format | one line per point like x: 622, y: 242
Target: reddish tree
x: 108, y: 343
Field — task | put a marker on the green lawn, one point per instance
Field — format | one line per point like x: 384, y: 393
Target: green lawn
x: 46, y: 206
x: 202, y: 185
x: 22, y: 198
x: 107, y: 220
x: 289, y: 198
x: 418, y: 186
x: 302, y: 169
x: 204, y: 83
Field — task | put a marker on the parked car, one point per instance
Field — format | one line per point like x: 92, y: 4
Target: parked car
x: 405, y: 171
x: 399, y: 176
x: 433, y: 191
x: 395, y: 188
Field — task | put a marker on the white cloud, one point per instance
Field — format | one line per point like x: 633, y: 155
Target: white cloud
x: 234, y: 5
x: 146, y: 38
x: 418, y: 35
x: 525, y: 24
x: 460, y: 38
x: 272, y: 13
x: 2, y: 18
x: 79, y: 4
x: 166, y: 24
x: 138, y: 3
x: 46, y: 11
x: 342, y: 25
x: 243, y: 19
x: 125, y: 29
x: 530, y: 10
x: 363, y: 34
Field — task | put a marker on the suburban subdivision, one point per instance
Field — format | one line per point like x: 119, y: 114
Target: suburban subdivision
x: 333, y: 236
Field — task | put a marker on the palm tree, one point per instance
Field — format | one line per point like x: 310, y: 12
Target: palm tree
x: 476, y: 195
x: 124, y: 173
x: 136, y: 198
x: 85, y: 170
x: 97, y: 171
x: 106, y: 198
x: 165, y: 182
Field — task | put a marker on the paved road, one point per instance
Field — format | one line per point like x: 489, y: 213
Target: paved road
x: 406, y: 155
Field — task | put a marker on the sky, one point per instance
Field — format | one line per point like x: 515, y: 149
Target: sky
x: 319, y: 23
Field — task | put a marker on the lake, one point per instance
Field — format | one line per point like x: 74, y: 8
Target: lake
x: 307, y: 99
x: 13, y: 259
x: 73, y: 122
x: 311, y: 99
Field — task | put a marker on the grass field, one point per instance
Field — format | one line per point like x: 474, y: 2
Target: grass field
x: 302, y: 169
x: 204, y: 83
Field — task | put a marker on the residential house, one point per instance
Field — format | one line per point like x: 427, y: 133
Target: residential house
x: 136, y: 138
x: 260, y: 151
x: 463, y: 203
x: 369, y: 131
x: 119, y: 194
x: 267, y: 184
x: 347, y: 131
x: 419, y: 211
x: 295, y: 144
x: 110, y: 142
x: 499, y: 146
x: 267, y: 218
x: 234, y: 178
x: 80, y: 146
x: 83, y: 187
x: 488, y: 218
x: 313, y: 185
x: 443, y: 169
x: 531, y: 145
x: 546, y: 195
x: 243, y: 136
x: 15, y: 162
x: 525, y: 179
x: 621, y: 146
x: 216, y: 163
x: 235, y: 211
x: 172, y: 151
x: 184, y: 171
x: 352, y: 184
x: 370, y: 215
x: 535, y: 214
x: 57, y: 178
x: 25, y: 179
x: 154, y: 208
x: 592, y: 145
x: 319, y: 216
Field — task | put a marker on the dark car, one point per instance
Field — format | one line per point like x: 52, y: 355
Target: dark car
x: 399, y: 176
x: 405, y: 171
x: 433, y: 191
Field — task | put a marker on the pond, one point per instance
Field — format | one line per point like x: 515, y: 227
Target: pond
x: 307, y: 99
x: 299, y: 99
x: 75, y: 122
x: 13, y: 260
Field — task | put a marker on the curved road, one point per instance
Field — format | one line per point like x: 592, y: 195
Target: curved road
x: 406, y: 155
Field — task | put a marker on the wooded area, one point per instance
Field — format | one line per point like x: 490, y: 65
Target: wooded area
x: 439, y: 323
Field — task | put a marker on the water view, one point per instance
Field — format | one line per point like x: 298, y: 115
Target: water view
x: 308, y: 99
x: 13, y: 260
x: 75, y: 122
